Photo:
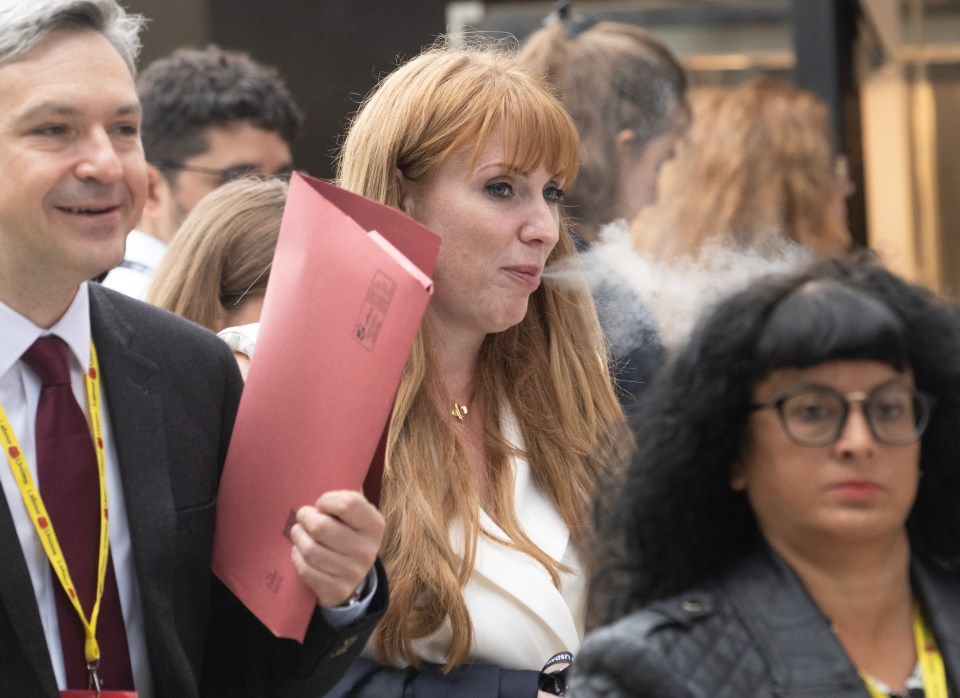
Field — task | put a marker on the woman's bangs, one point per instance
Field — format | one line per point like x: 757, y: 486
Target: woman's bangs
x: 539, y: 132
x: 828, y: 321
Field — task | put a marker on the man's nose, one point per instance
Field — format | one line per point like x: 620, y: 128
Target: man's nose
x: 99, y: 159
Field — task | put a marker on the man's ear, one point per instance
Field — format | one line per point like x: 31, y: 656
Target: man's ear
x: 158, y: 199
x: 623, y: 141
x: 738, y: 477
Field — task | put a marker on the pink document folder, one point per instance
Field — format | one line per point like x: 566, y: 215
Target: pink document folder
x: 348, y: 288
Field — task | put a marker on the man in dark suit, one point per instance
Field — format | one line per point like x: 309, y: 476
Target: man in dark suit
x: 160, y: 395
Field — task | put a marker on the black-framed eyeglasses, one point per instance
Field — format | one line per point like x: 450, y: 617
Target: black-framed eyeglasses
x: 816, y: 415
x: 227, y: 174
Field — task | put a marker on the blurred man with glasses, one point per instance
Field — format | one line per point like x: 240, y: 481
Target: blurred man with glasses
x: 209, y: 116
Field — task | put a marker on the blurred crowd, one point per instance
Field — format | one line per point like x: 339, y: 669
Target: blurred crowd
x: 662, y: 431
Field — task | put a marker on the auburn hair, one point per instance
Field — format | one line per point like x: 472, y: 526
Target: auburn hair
x: 550, y: 369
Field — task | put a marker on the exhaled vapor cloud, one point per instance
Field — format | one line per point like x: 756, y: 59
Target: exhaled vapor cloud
x: 674, y: 292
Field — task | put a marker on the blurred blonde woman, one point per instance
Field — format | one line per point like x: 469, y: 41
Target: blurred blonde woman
x: 757, y: 166
x: 627, y: 94
x: 215, y: 271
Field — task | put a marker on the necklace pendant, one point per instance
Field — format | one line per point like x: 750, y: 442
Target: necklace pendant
x: 459, y: 411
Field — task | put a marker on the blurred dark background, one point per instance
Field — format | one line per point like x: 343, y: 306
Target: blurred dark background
x: 330, y: 52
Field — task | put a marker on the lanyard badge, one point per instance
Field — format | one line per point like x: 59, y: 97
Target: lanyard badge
x: 45, y: 531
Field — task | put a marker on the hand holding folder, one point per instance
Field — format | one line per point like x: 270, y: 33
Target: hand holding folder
x: 348, y: 289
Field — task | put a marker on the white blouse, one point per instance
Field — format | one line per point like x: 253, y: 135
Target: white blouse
x: 520, y: 619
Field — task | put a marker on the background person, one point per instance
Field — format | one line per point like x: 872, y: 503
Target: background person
x: 209, y: 116
x: 216, y: 270
x: 757, y: 167
x: 626, y: 93
x: 163, y: 397
x: 788, y: 525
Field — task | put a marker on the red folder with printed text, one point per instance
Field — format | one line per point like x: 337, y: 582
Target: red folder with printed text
x: 349, y: 284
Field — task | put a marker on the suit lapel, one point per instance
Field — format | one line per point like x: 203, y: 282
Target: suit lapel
x: 519, y: 575
x: 20, y: 605
x: 131, y: 384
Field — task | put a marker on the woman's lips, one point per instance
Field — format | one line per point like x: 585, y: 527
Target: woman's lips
x: 857, y: 489
x: 528, y: 275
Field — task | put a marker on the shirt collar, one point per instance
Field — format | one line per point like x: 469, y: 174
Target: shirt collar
x: 73, y: 328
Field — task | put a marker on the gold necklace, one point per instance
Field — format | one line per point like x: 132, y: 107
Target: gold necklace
x: 459, y: 411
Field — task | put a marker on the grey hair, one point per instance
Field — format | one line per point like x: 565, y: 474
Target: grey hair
x: 25, y: 23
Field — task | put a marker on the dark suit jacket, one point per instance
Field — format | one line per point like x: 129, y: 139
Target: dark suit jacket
x: 173, y: 389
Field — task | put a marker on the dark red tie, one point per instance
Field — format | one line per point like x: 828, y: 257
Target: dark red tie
x: 70, y: 487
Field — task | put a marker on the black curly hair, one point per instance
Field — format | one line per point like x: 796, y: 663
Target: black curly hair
x: 186, y: 92
x: 675, y: 521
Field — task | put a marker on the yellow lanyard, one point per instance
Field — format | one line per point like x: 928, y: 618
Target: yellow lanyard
x: 41, y: 520
x: 929, y: 657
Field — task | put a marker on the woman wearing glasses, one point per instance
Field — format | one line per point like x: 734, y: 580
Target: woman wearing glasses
x: 790, y: 524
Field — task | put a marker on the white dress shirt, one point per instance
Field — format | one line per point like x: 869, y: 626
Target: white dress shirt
x: 142, y: 257
x: 20, y: 395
